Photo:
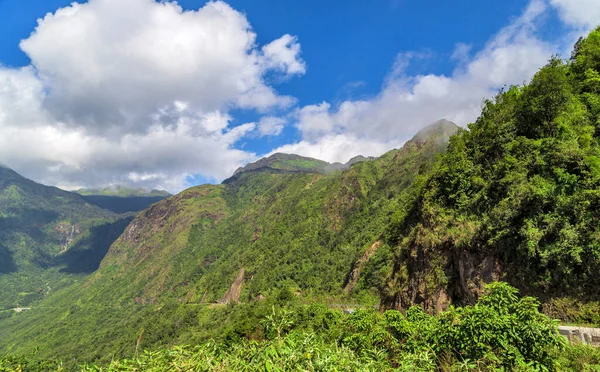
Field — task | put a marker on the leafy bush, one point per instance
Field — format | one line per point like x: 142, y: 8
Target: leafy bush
x: 516, y: 196
x: 502, y: 332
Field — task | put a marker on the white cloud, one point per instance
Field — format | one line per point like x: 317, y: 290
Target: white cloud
x: 141, y: 92
x: 138, y: 92
x: 271, y: 126
x: 579, y: 13
x: 283, y: 54
x: 314, y: 121
x: 462, y: 52
x: 408, y: 103
x: 336, y: 148
x: 114, y: 62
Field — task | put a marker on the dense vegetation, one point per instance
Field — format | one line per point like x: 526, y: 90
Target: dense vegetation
x: 42, y: 230
x: 501, y: 332
x: 318, y: 235
x: 516, y: 197
x: 50, y: 238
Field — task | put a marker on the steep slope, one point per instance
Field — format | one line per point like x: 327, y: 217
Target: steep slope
x: 43, y: 231
x: 282, y: 225
x: 515, y: 198
x: 299, y: 228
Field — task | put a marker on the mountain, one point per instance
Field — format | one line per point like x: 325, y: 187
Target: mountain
x: 121, y: 191
x: 120, y: 199
x: 47, y: 237
x: 422, y: 229
x: 280, y: 163
x: 283, y: 226
x: 515, y: 198
x: 291, y: 163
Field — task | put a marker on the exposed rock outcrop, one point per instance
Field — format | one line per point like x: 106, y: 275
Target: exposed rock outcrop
x: 233, y: 294
x: 354, y: 275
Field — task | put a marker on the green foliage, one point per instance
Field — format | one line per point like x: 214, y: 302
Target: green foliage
x: 280, y: 163
x: 500, y: 333
x: 542, y: 100
x: 28, y: 364
x: 578, y: 358
x: 573, y: 311
x: 42, y: 230
x: 516, y: 196
x: 298, y: 235
x: 277, y: 322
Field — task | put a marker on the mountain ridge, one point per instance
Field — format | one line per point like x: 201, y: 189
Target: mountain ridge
x: 296, y: 230
x: 293, y: 163
x: 42, y: 228
x: 121, y: 191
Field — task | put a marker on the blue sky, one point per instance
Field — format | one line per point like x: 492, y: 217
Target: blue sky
x: 170, y: 95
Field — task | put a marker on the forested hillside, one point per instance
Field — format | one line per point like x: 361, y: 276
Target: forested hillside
x: 285, y: 226
x: 255, y: 270
x: 516, y: 197
x: 502, y: 332
x: 48, y: 238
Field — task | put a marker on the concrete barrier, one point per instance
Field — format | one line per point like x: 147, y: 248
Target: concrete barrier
x: 584, y: 335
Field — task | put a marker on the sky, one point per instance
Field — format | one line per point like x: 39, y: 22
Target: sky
x: 170, y: 94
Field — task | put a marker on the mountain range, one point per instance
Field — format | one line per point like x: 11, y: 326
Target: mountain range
x: 50, y: 238
x: 512, y: 198
x: 283, y: 223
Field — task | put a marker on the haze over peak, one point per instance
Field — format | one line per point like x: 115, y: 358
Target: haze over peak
x: 440, y: 128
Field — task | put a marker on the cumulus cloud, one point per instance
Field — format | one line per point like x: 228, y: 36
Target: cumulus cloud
x: 271, y: 126
x: 579, y: 13
x: 336, y: 147
x: 142, y: 92
x: 283, y: 53
x: 408, y: 103
x: 138, y: 92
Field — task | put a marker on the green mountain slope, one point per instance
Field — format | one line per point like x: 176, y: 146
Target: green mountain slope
x: 517, y: 197
x: 283, y: 226
x: 45, y: 235
x: 290, y: 163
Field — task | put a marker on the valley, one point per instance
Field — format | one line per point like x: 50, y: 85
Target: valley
x: 467, y: 248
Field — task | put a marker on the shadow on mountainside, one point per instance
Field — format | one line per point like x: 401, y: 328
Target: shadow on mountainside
x: 7, y: 262
x: 86, y: 255
x: 30, y: 221
x: 122, y: 204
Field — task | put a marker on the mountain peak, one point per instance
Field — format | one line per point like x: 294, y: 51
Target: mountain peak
x: 282, y: 163
x: 440, y: 130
